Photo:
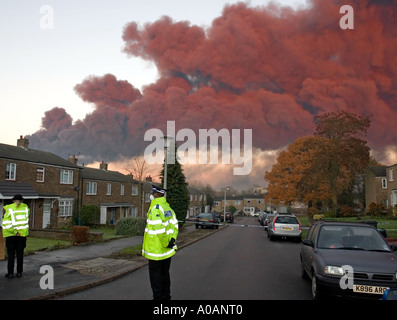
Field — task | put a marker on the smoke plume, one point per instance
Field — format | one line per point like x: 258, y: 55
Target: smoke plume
x: 270, y: 69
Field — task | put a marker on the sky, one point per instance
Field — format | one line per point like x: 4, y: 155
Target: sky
x: 259, y: 67
x: 40, y: 67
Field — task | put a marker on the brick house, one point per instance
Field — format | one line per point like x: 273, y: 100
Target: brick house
x: 197, y: 202
x: 246, y: 204
x: 48, y: 183
x: 114, y: 193
x: 381, y: 186
x: 55, y: 189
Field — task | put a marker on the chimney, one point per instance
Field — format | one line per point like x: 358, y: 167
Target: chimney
x: 103, y: 165
x: 148, y: 179
x: 22, y: 142
x: 73, y: 159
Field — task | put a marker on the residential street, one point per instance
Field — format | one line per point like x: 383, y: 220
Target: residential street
x: 238, y: 263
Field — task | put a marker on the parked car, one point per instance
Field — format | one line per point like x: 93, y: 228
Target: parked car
x: 269, y: 217
x: 356, y: 252
x: 229, y: 217
x: 284, y: 225
x: 207, y: 220
x: 261, y: 218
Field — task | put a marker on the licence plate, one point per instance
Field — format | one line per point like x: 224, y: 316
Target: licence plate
x: 287, y: 228
x: 204, y: 219
x: 369, y: 289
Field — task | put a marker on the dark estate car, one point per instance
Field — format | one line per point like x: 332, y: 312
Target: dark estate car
x: 229, y: 217
x: 207, y: 220
x: 348, y: 260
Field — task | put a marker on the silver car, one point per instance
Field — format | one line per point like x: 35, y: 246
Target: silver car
x: 284, y: 225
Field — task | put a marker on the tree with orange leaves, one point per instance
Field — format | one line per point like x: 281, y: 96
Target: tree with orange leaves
x: 321, y: 167
x: 292, y: 179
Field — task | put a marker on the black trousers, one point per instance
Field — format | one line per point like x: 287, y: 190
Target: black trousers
x: 15, y: 246
x: 160, y: 281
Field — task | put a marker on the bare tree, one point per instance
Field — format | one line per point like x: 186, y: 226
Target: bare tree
x: 138, y: 167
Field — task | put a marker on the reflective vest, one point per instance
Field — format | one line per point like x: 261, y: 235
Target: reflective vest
x: 161, y: 227
x: 16, y: 220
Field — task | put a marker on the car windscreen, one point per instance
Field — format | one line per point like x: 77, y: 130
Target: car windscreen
x: 351, y: 238
x: 286, y: 220
x: 205, y: 216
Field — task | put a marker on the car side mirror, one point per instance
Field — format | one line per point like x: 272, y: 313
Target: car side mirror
x: 308, y: 242
x: 390, y: 294
x: 393, y: 247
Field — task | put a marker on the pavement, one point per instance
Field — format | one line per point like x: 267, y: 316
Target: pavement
x: 74, y: 269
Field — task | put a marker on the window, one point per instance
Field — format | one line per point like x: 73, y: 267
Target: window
x: 108, y: 189
x: 384, y: 183
x: 65, y: 208
x: 40, y: 174
x: 391, y: 175
x: 66, y: 176
x: 11, y: 171
x: 91, y: 188
x: 134, y: 191
x: 237, y: 202
x: 134, y: 211
x: 121, y: 189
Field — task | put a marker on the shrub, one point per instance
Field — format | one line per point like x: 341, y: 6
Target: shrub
x: 347, y: 211
x: 89, y: 215
x: 312, y: 211
x: 80, y: 234
x: 130, y: 226
x: 376, y: 209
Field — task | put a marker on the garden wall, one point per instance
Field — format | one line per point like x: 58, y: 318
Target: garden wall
x: 62, y: 234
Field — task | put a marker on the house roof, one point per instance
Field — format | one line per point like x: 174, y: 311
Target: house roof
x: 105, y: 175
x: 240, y: 197
x: 378, y: 171
x: 9, y: 189
x: 32, y: 155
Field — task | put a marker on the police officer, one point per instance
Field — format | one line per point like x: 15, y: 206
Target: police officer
x: 159, y: 243
x: 15, y: 230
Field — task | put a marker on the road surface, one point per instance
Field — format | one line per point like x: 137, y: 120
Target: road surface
x: 236, y: 263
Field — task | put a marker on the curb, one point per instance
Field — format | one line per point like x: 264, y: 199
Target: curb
x: 91, y: 284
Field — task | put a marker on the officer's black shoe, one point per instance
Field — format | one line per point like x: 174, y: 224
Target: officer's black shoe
x: 9, y: 275
x: 19, y: 275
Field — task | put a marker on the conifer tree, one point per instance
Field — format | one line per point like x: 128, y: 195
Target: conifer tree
x: 177, y: 191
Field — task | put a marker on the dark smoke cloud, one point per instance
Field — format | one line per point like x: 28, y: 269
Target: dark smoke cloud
x: 270, y: 69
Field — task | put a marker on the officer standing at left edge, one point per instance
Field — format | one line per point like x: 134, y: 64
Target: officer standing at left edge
x: 159, y: 243
x: 15, y: 227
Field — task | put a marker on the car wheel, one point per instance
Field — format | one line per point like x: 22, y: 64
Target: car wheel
x: 197, y: 226
x: 316, y: 294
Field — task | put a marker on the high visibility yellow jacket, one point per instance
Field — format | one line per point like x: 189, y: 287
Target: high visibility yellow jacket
x: 161, y: 227
x: 16, y: 219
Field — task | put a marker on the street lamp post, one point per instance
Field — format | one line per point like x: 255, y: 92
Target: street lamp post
x: 224, y: 206
x: 167, y: 141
